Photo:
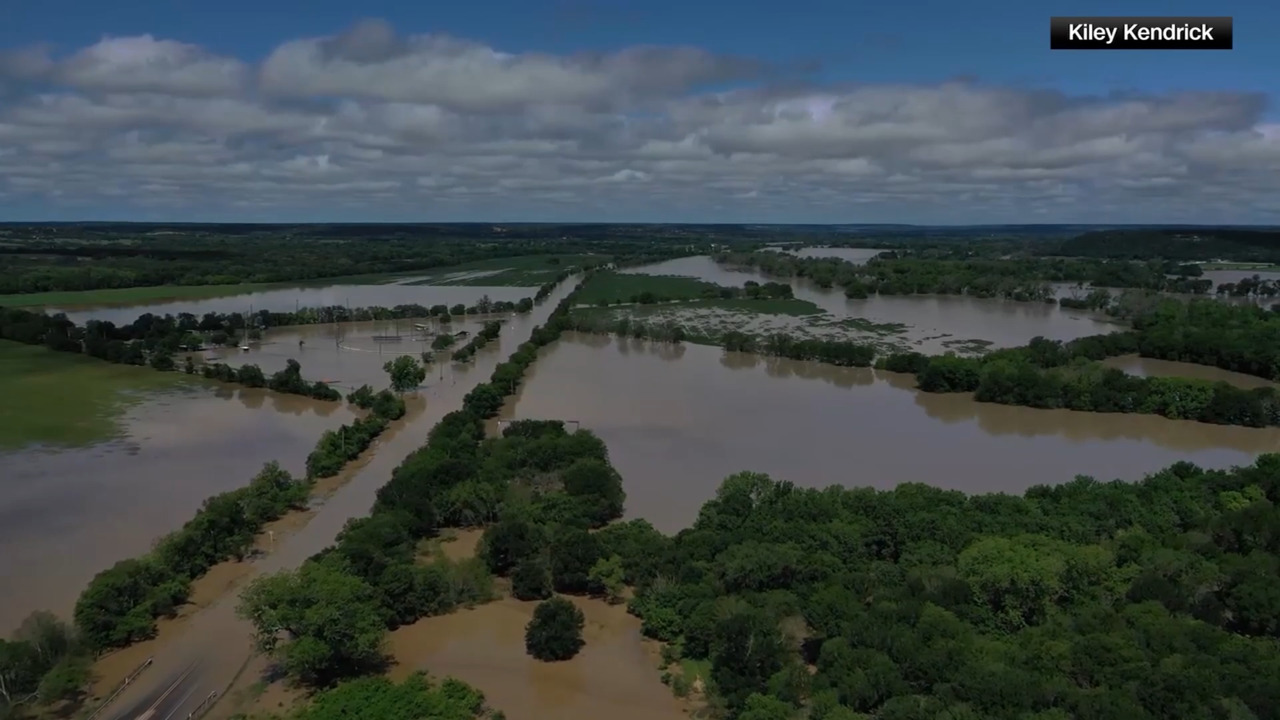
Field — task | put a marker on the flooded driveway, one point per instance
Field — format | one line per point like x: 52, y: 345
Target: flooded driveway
x: 678, y: 419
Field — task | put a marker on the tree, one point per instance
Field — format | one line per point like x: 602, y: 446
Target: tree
x: 320, y: 622
x: 406, y: 373
x: 606, y: 578
x: 531, y: 579
x: 555, y: 632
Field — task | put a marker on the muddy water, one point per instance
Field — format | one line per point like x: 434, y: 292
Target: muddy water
x: 286, y: 299
x: 66, y: 515
x: 346, y: 355
x: 1233, y: 276
x: 857, y: 256
x: 677, y: 420
x: 614, y: 676
x: 220, y: 639
x: 1150, y: 367
x: 932, y: 320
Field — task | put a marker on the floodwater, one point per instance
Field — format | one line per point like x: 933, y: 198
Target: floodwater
x: 66, y: 515
x: 221, y: 640
x: 678, y: 419
x: 286, y: 299
x: 857, y: 256
x: 613, y: 676
x: 931, y: 320
x: 1151, y: 367
x: 348, y: 355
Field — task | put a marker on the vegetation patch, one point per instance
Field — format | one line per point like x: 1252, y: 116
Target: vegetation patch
x: 69, y: 400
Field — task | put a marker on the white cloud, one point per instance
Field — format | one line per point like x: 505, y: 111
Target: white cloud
x: 391, y: 124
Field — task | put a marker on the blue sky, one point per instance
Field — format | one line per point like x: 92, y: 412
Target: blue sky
x: 925, y: 43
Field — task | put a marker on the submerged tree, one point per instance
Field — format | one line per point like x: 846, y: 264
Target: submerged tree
x: 555, y: 632
x: 406, y: 373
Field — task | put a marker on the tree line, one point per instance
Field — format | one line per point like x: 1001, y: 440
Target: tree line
x: 82, y: 257
x: 1152, y: 599
x: 121, y: 604
x: 488, y: 332
x: 1026, y: 279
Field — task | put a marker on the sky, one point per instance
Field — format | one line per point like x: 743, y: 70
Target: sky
x: 804, y: 111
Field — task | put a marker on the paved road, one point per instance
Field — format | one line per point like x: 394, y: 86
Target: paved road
x: 174, y: 696
x: 223, y: 642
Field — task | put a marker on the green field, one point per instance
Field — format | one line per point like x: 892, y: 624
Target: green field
x: 612, y: 287
x: 522, y: 271
x: 66, y: 399
x: 162, y: 293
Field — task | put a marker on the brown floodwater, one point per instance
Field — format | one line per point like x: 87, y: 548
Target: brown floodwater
x: 286, y: 299
x: 678, y: 419
x: 347, y: 355
x: 614, y: 676
x: 221, y: 640
x: 1151, y: 367
x: 931, y: 320
x: 67, y: 514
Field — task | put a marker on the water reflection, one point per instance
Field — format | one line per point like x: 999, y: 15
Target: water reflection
x: 676, y: 427
x: 66, y: 515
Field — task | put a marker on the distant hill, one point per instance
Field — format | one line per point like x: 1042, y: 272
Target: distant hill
x: 1184, y: 244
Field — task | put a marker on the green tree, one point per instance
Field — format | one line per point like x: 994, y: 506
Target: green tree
x: 531, y: 579
x: 406, y: 373
x: 320, y: 622
x: 606, y: 578
x: 555, y: 632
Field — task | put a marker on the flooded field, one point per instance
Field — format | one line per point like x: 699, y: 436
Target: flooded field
x: 615, y: 675
x: 68, y: 514
x: 932, y: 321
x: 348, y: 355
x: 678, y: 419
x: 285, y: 299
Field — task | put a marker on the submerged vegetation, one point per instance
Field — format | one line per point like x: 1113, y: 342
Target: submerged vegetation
x: 80, y: 401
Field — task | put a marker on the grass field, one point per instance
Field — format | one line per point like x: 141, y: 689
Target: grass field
x: 68, y: 400
x: 523, y: 271
x: 163, y: 293
x: 622, y: 287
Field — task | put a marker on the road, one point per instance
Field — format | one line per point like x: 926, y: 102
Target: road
x: 220, y: 640
x: 173, y: 696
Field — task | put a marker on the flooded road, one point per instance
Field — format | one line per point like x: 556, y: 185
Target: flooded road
x: 223, y: 640
x: 931, y: 320
x: 678, y: 419
x: 66, y: 515
x: 287, y: 299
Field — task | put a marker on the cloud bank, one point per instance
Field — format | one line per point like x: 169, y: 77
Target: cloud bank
x: 372, y: 123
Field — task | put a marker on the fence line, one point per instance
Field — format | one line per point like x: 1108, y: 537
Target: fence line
x: 204, y: 706
x: 121, y: 687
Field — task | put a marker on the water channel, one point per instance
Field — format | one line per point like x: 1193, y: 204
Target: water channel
x: 678, y: 419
